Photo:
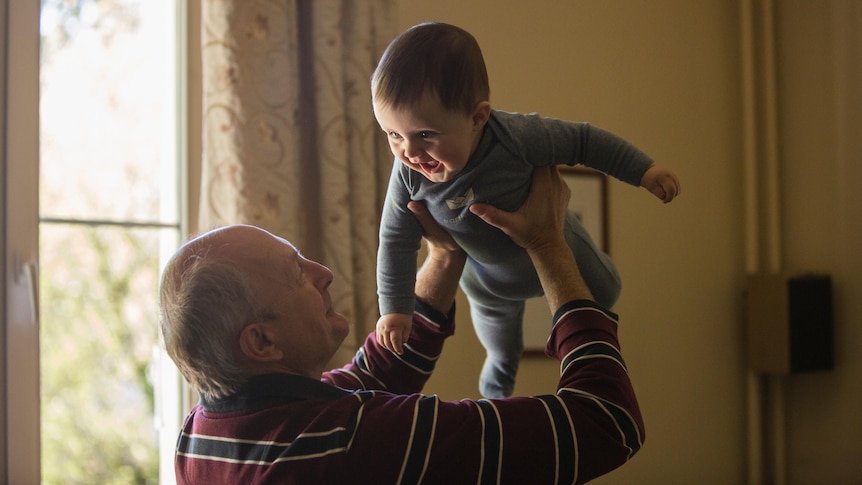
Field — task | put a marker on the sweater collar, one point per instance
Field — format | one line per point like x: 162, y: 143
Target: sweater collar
x: 265, y: 388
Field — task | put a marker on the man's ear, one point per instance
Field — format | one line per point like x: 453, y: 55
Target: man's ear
x: 256, y: 343
x: 481, y: 114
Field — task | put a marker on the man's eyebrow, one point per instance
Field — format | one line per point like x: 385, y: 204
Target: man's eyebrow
x: 295, y: 258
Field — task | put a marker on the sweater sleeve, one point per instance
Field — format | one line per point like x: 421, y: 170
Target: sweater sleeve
x: 590, y: 426
x: 376, y: 368
x: 400, y: 238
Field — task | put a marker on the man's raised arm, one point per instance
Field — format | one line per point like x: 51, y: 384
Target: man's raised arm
x: 537, y: 226
x: 437, y: 279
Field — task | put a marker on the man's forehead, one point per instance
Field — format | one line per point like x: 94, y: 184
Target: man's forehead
x: 243, y: 242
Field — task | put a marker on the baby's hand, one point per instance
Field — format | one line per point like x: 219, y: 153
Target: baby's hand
x: 393, y: 331
x: 661, y: 182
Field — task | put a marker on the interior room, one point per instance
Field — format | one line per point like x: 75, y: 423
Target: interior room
x: 756, y: 105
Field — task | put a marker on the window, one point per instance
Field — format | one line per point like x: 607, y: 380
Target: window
x: 111, y: 146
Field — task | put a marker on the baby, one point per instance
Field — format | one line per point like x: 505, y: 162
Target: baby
x: 431, y: 97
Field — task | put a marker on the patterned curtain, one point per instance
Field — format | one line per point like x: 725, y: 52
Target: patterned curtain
x: 290, y: 140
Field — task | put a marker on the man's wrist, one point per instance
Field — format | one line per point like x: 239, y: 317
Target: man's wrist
x: 446, y: 257
x: 437, y: 279
x: 559, y: 274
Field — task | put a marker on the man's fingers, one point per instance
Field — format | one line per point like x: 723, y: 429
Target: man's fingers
x: 488, y: 213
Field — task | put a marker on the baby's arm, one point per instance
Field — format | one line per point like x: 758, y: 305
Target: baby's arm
x: 400, y: 239
x: 436, y: 283
x: 608, y: 153
x: 661, y: 182
x: 393, y: 331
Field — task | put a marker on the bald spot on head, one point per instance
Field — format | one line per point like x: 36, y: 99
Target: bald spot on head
x: 249, y: 249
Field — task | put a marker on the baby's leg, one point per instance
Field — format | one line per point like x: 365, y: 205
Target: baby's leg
x: 597, y: 268
x: 499, y: 326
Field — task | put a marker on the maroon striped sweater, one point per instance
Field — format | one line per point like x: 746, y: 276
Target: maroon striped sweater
x: 367, y: 422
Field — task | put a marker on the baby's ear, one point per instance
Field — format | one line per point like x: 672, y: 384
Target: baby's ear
x: 481, y: 114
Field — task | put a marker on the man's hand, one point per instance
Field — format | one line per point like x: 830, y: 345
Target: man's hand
x: 437, y: 279
x: 539, y: 221
x: 537, y: 226
x: 434, y: 234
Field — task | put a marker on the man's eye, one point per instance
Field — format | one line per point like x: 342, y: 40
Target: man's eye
x: 300, y: 276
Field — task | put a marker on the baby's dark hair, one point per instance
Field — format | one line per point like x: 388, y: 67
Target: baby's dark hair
x: 435, y: 57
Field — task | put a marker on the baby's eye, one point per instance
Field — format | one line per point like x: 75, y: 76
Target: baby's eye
x: 394, y: 135
x: 426, y: 135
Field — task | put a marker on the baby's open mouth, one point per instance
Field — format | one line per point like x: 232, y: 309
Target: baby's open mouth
x: 431, y: 166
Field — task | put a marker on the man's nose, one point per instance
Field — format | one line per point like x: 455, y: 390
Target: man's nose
x: 322, y: 274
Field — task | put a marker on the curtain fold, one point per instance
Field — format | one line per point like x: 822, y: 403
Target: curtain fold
x: 290, y: 140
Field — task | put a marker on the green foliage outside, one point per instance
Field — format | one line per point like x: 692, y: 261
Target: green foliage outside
x: 102, y: 121
x: 98, y: 326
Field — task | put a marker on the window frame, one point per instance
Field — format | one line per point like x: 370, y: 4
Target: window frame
x: 20, y: 66
x: 20, y: 451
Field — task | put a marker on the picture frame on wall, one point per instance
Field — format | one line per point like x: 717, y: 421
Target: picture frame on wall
x: 589, y: 202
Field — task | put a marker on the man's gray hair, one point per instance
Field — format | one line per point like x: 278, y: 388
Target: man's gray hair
x: 204, y: 305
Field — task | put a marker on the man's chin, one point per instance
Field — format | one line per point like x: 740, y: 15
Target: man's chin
x: 340, y: 326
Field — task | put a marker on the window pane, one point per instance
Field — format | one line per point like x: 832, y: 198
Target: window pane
x: 98, y: 329
x: 107, y: 108
x: 108, y: 152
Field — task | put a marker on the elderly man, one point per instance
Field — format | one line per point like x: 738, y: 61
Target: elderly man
x: 249, y: 322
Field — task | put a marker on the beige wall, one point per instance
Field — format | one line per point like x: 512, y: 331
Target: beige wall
x: 820, y: 99
x: 667, y: 76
